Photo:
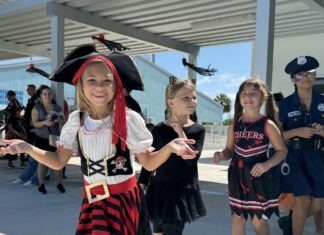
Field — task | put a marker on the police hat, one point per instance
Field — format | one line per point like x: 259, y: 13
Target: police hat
x: 301, y: 64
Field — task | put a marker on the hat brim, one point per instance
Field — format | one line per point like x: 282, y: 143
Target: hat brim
x: 127, y: 70
x: 71, y: 63
x: 125, y: 66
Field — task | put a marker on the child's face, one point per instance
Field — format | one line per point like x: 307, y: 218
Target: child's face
x: 98, y: 85
x: 251, y: 97
x: 184, y: 102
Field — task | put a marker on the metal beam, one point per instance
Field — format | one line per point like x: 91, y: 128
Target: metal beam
x: 263, y: 47
x: 106, y: 24
x: 13, y: 7
x: 57, y: 55
x: 24, y: 50
x: 314, y: 5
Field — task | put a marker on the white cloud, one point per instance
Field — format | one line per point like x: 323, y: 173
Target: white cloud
x: 227, y: 83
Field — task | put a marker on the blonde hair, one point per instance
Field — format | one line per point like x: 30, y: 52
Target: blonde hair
x: 173, y: 88
x: 82, y: 102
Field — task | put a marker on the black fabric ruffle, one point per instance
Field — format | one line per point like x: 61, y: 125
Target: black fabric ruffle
x: 182, y: 204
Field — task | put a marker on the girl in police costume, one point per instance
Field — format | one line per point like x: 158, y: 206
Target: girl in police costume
x: 302, y: 118
x: 173, y: 193
x: 251, y: 189
x: 107, y: 136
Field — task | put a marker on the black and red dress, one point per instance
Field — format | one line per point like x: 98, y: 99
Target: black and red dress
x: 250, y: 195
x: 111, y: 202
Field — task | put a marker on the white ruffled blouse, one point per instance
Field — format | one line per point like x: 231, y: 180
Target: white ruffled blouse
x: 96, y: 136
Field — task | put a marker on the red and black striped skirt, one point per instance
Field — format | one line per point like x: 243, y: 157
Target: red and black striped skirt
x: 116, y: 215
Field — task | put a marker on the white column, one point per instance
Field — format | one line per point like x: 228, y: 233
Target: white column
x: 192, y: 59
x: 57, y: 55
x: 263, y: 45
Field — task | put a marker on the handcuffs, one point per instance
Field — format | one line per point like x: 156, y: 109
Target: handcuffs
x: 285, y: 168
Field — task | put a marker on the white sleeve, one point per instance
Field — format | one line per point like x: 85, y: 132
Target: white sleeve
x: 139, y: 138
x: 69, y: 131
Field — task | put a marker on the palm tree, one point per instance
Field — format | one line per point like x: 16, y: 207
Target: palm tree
x: 225, y: 101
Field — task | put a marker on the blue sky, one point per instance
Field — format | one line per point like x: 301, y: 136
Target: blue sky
x: 233, y: 63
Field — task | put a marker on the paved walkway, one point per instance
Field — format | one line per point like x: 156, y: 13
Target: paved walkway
x: 23, y: 211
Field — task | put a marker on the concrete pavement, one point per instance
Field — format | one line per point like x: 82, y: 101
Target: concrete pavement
x: 23, y: 211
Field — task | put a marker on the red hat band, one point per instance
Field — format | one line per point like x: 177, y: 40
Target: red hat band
x: 119, y: 126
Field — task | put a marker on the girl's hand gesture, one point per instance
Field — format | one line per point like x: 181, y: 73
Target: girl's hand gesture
x: 180, y: 147
x: 319, y: 129
x: 218, y: 156
x: 175, y: 124
x: 260, y: 168
x: 13, y: 147
x: 306, y: 132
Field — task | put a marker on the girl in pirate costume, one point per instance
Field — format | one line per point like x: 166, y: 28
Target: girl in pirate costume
x: 106, y: 136
x: 173, y: 193
x: 250, y: 183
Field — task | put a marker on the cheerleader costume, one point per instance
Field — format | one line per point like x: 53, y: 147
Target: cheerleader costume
x: 248, y: 195
x: 111, y: 202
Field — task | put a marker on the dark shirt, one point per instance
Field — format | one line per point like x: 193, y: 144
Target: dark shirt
x: 292, y: 114
x: 12, y: 108
x: 28, y: 110
x: 176, y: 172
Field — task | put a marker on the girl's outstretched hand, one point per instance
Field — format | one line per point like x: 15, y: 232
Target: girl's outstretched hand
x: 180, y: 146
x: 13, y: 147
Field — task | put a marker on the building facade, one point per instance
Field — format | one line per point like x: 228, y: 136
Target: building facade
x: 152, y: 99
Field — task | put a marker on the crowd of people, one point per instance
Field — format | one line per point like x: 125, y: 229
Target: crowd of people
x: 108, y: 137
x: 33, y: 123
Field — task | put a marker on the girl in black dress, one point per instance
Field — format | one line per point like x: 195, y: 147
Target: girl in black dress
x: 251, y: 189
x: 173, y: 193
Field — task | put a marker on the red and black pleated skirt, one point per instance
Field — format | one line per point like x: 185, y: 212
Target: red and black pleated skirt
x: 248, y: 195
x: 116, y: 215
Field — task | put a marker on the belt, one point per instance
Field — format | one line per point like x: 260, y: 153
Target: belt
x: 101, y: 190
x: 303, y: 144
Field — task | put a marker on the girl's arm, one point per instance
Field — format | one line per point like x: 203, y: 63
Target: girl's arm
x: 227, y: 153
x: 279, y: 147
x: 304, y: 132
x: 55, y: 160
x: 179, y: 146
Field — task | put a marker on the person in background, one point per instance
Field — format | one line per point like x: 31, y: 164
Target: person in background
x: 12, y: 124
x: 46, y: 118
x: 107, y: 136
x: 301, y: 115
x: 15, y: 130
x: 29, y: 176
x: 173, y: 192
x: 250, y: 183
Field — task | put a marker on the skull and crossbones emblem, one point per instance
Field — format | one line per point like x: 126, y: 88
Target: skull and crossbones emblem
x: 119, y: 163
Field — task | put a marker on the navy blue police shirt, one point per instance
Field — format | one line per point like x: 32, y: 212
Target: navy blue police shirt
x: 292, y: 114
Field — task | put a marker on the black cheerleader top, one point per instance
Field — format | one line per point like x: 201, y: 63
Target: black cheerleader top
x: 250, y: 138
